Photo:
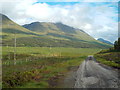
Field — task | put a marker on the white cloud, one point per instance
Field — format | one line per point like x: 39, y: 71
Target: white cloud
x: 95, y: 20
x: 63, y: 0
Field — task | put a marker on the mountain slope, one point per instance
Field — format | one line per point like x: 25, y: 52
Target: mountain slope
x: 58, y: 30
x: 104, y: 41
x: 46, y: 35
x: 9, y: 28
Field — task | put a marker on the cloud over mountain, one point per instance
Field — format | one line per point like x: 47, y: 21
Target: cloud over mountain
x: 97, y: 19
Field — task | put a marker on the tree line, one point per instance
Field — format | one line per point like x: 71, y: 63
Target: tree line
x: 117, y: 45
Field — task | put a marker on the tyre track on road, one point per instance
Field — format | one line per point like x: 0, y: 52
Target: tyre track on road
x: 92, y: 75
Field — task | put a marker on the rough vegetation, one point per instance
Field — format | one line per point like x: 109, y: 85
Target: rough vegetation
x: 110, y: 56
x: 39, y: 67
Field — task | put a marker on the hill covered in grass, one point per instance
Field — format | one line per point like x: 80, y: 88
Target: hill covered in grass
x: 58, y: 30
x: 45, y: 34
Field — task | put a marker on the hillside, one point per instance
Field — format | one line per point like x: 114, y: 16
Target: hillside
x: 9, y: 28
x: 58, y: 30
x: 104, y: 41
x: 46, y: 35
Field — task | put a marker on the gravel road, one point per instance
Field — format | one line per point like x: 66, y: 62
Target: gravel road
x: 91, y: 74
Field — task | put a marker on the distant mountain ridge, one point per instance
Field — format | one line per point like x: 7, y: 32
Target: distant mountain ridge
x: 104, y: 41
x: 45, y: 34
x: 44, y: 26
x: 58, y: 29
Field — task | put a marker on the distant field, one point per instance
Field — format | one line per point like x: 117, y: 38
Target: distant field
x: 53, y: 51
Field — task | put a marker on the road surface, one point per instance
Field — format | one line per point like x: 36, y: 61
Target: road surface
x: 91, y: 74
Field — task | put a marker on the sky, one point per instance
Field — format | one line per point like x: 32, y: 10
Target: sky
x: 98, y: 19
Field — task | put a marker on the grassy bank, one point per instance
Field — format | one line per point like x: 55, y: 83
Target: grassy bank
x: 109, y: 58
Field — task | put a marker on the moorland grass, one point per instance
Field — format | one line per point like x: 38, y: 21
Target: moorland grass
x: 109, y: 58
x: 43, y: 66
x: 51, y: 51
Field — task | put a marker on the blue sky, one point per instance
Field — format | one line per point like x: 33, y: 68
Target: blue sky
x: 72, y: 3
x: 58, y: 3
x: 99, y: 19
x: 78, y: 0
x: 92, y: 4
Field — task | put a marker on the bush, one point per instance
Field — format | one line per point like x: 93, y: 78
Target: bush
x: 117, y: 45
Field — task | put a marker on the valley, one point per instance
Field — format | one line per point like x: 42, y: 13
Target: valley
x: 42, y: 34
x: 40, y: 54
x: 59, y: 44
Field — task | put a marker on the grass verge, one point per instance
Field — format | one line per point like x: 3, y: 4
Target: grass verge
x: 38, y: 74
x: 109, y: 58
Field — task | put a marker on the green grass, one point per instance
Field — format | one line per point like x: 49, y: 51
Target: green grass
x: 34, y: 84
x: 109, y: 63
x: 109, y: 58
x: 50, y: 72
x: 46, y: 41
x: 44, y: 66
x: 53, y: 51
x: 40, y: 71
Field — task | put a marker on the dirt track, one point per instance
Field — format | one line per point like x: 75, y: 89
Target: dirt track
x: 92, y: 75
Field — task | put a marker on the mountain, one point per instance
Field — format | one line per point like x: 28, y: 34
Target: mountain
x: 46, y: 34
x: 9, y: 28
x: 43, y: 27
x: 58, y: 30
x: 104, y: 41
